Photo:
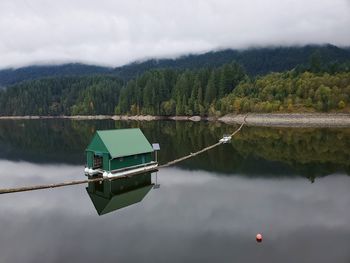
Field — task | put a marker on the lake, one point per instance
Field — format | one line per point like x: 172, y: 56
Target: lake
x: 291, y: 185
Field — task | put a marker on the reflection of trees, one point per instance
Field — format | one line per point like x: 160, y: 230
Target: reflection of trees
x: 269, y: 151
x: 310, y: 151
x: 44, y: 140
x: 254, y: 151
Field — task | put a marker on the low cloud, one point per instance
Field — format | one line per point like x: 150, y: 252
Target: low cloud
x: 113, y: 33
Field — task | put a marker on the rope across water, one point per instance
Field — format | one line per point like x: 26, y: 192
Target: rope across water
x: 200, y: 151
x: 47, y: 186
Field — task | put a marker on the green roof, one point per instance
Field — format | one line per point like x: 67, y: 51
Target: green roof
x: 120, y: 142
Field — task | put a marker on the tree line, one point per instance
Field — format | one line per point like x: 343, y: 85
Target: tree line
x: 205, y: 91
x: 62, y: 96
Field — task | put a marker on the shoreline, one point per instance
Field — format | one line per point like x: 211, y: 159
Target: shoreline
x: 290, y: 119
x: 112, y: 117
x: 253, y: 119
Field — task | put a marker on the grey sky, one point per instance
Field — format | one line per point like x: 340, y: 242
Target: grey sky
x: 113, y: 32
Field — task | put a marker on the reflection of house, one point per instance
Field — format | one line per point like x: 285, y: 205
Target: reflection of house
x: 111, y: 195
x: 114, y: 151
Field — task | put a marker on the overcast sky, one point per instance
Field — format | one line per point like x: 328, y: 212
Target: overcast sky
x: 115, y: 32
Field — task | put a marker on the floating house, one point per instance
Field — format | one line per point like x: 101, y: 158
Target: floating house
x: 111, y: 195
x: 119, y: 152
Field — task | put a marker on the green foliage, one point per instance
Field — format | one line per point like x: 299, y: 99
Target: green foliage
x: 58, y: 96
x: 204, y: 91
x: 287, y: 92
x: 171, y: 92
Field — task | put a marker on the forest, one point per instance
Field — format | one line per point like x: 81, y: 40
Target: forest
x: 61, y: 96
x: 291, y: 92
x: 204, y: 91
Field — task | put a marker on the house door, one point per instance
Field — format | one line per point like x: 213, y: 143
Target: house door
x: 143, y: 159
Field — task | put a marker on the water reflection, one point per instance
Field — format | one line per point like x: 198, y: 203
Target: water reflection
x: 195, y: 216
x: 108, y: 196
x: 254, y: 152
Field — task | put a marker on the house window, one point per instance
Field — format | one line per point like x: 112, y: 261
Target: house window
x: 135, y: 156
x: 97, y: 162
x: 120, y: 159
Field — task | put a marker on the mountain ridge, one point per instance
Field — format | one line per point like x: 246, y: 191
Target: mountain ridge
x: 256, y: 61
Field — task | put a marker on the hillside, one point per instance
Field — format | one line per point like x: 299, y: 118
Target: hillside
x: 257, y: 61
x: 12, y: 76
x: 61, y: 95
x: 167, y: 92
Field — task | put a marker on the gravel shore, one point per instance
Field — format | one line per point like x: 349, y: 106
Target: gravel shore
x: 291, y: 120
x: 253, y: 119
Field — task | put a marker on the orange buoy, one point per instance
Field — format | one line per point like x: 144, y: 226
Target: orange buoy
x: 259, y: 238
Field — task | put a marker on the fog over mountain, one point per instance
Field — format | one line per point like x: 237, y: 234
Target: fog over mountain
x: 114, y: 33
x: 257, y: 61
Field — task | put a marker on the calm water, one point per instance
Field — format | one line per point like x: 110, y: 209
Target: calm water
x: 292, y: 185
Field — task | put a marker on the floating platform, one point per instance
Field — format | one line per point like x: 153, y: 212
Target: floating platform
x: 225, y: 139
x: 129, y: 171
x: 120, y: 152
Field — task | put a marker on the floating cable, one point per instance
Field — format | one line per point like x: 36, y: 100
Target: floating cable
x: 100, y: 179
